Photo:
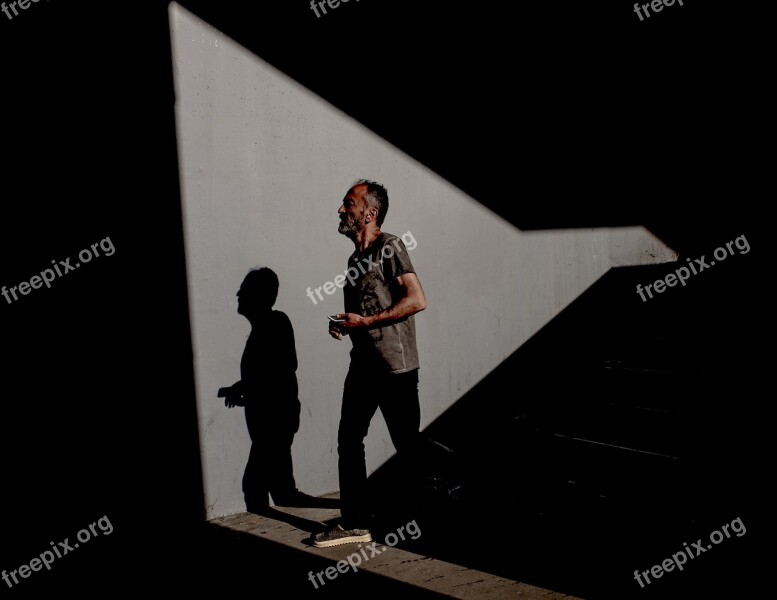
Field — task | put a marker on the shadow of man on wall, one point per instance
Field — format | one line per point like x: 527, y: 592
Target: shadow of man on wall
x: 268, y: 391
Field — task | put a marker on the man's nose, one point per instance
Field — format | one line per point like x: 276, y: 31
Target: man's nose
x: 341, y: 210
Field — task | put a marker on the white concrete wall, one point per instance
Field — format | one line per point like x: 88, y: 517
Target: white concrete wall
x: 264, y: 164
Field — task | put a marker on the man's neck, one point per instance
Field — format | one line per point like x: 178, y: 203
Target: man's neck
x: 364, y: 239
x: 257, y: 318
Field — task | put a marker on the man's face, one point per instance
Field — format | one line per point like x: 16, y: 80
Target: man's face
x: 248, y: 299
x: 243, y: 301
x: 352, y: 212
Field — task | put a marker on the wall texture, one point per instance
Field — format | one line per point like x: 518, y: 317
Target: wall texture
x: 264, y: 165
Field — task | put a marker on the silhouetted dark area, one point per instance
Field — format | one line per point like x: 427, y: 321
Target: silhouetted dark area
x: 621, y: 430
x: 624, y: 429
x: 268, y: 390
x: 99, y: 416
x: 602, y: 119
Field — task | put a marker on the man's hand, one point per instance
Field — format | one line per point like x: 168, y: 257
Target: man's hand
x: 350, y: 321
x: 233, y: 395
x: 334, y: 330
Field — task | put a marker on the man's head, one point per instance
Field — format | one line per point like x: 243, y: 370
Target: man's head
x: 364, y: 207
x: 258, y: 292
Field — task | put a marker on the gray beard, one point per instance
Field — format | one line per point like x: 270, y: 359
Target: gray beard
x: 348, y: 228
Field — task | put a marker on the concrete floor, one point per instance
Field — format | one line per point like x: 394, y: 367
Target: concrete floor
x: 291, y: 531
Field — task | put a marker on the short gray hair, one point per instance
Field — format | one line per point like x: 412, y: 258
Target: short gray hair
x: 377, y: 197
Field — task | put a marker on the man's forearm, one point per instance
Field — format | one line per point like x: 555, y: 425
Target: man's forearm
x: 402, y: 309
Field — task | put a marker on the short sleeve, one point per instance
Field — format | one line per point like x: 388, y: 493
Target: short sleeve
x: 395, y: 259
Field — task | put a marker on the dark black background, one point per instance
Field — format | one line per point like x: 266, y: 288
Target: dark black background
x: 553, y: 114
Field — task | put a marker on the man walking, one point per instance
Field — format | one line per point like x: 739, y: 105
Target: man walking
x: 379, y: 309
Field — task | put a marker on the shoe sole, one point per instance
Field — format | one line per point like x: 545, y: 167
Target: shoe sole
x: 351, y: 539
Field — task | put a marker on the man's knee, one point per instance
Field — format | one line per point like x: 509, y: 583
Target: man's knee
x: 407, y: 443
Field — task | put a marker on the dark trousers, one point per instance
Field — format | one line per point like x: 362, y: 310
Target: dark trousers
x: 269, y: 469
x: 365, y: 392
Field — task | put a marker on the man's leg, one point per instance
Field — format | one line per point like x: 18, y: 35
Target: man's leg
x: 255, y: 484
x: 359, y: 406
x: 281, y: 432
x: 402, y: 413
x: 282, y: 486
x: 401, y: 410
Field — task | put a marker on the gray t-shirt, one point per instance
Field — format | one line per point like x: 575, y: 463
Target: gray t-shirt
x: 391, y: 348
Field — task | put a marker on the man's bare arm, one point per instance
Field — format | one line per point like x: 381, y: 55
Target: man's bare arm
x: 411, y: 301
